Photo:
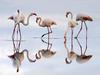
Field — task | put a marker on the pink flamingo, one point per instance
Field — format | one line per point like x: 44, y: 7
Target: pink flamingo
x: 71, y: 24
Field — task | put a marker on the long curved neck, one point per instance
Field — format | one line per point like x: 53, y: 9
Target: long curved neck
x: 39, y: 55
x: 39, y: 21
x: 71, y: 15
x: 25, y: 50
x: 27, y: 22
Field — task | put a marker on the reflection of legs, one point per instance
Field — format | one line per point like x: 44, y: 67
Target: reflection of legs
x: 13, y: 36
x: 65, y: 40
x: 79, y: 30
x: 71, y: 39
x: 86, y: 38
x: 79, y: 45
x: 19, y: 37
x: 44, y: 35
x: 49, y: 44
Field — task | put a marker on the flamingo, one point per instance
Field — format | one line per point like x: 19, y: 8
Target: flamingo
x: 45, y: 53
x: 18, y: 57
x: 45, y: 23
x: 20, y: 19
x: 71, y: 24
x: 83, y: 58
x: 83, y: 18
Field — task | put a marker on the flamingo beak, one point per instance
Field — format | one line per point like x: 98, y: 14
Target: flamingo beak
x: 11, y: 56
x: 11, y: 17
x: 34, y: 14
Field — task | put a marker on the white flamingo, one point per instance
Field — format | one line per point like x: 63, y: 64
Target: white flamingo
x: 45, y: 23
x: 19, y: 19
x: 71, y: 24
x: 18, y: 57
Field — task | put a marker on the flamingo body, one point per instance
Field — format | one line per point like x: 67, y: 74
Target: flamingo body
x: 83, y: 17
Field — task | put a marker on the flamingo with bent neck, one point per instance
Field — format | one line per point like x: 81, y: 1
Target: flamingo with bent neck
x: 45, y: 23
x: 19, y: 19
x: 18, y: 57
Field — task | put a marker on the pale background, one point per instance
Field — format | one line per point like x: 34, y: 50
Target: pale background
x: 54, y: 9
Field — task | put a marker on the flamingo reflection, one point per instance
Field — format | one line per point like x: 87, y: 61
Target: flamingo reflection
x: 18, y: 56
x: 47, y: 53
x: 71, y: 24
x: 83, y: 58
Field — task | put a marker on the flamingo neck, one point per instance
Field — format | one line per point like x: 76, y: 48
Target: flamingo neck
x: 40, y: 21
x: 71, y: 15
x: 28, y: 55
x: 27, y: 22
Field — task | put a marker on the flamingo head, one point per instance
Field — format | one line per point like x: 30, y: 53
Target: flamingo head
x: 11, y: 18
x: 33, y: 14
x: 67, y: 13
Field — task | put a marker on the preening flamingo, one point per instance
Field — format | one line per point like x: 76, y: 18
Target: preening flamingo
x: 18, y: 57
x: 71, y: 24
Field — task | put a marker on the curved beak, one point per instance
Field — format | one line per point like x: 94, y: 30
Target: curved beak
x: 11, y: 17
x: 35, y: 14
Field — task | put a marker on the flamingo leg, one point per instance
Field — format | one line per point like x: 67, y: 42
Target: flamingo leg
x: 44, y: 35
x: 50, y: 44
x: 48, y: 38
x: 17, y: 39
x: 20, y: 37
x: 13, y: 34
x: 71, y: 39
x: 86, y: 38
x: 79, y: 30
x: 79, y: 45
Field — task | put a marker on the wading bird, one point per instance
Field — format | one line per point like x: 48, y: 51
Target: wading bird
x: 19, y: 19
x: 45, y: 23
x: 71, y: 24
x: 82, y: 58
x: 18, y: 57
x: 83, y: 18
x: 47, y: 53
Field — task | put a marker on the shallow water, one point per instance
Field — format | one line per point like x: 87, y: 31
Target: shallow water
x: 31, y: 38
